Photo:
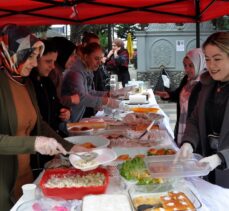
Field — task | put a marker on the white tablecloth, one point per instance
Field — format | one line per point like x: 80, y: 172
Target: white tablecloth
x: 213, y: 197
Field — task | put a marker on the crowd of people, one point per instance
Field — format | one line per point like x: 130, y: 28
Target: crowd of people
x: 47, y: 83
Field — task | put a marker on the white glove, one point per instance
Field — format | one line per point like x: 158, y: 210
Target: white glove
x: 185, y: 152
x: 112, y: 103
x: 48, y: 146
x: 213, y: 160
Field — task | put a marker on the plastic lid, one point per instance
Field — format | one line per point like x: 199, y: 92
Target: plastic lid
x: 164, y: 166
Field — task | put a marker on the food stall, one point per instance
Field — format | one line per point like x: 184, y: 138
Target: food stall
x: 136, y: 174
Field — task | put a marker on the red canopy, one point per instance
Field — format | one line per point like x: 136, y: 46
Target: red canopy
x: 47, y: 12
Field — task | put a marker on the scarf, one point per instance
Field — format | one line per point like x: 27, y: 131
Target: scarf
x: 198, y: 59
x: 16, y: 45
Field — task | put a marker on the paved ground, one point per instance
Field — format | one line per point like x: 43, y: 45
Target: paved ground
x: 170, y: 110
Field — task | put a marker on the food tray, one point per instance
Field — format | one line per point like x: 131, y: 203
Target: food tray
x: 150, y: 194
x: 74, y: 192
x: 104, y: 202
x: 98, y: 141
x: 165, y: 166
x: 131, y: 151
x: 75, y: 131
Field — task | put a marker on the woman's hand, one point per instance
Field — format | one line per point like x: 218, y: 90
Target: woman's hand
x: 162, y: 94
x: 111, y: 52
x: 64, y: 114
x: 213, y: 161
x: 48, y: 146
x: 75, y: 99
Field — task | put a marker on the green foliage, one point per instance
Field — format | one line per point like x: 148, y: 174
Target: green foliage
x: 221, y: 23
x: 103, y: 37
x: 124, y: 29
x: 78, y: 30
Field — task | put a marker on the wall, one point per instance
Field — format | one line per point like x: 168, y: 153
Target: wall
x: 158, y: 45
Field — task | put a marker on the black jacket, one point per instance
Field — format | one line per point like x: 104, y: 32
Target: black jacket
x: 48, y: 102
x: 175, y: 97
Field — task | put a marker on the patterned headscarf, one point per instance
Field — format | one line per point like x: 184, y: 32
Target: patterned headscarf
x: 16, y: 45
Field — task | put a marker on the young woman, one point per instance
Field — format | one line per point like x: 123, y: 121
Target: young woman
x: 194, y: 65
x: 208, y: 124
x: 52, y: 111
x: 79, y: 79
x: 66, y: 58
x: 20, y: 121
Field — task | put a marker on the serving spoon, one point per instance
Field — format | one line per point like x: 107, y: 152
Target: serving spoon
x: 147, y: 129
x: 87, y: 156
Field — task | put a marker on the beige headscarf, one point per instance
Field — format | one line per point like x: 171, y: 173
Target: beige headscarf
x: 197, y: 57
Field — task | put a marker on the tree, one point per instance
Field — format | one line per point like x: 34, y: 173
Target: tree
x: 221, y: 23
x: 78, y: 30
x: 124, y: 29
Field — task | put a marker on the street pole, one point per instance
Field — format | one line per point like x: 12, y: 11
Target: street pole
x: 109, y: 38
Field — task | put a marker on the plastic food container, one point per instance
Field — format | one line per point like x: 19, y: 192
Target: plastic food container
x: 98, y: 141
x: 111, y: 202
x: 45, y: 204
x: 164, y: 166
x: 72, y: 192
x: 74, y: 131
x: 159, y: 196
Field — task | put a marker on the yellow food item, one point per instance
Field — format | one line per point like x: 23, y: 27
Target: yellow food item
x: 144, y: 110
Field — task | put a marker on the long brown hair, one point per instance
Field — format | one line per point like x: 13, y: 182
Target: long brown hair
x: 90, y: 48
x: 219, y: 39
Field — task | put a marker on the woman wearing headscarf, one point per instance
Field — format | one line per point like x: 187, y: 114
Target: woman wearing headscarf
x: 20, y: 120
x: 194, y: 65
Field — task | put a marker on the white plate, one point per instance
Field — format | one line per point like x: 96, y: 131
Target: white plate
x: 105, y: 156
x: 98, y: 141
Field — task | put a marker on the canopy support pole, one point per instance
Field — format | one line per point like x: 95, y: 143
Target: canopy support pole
x: 197, y: 23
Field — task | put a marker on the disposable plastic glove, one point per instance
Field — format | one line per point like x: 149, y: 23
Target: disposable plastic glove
x: 112, y: 103
x: 48, y: 146
x: 185, y: 152
x: 213, y: 160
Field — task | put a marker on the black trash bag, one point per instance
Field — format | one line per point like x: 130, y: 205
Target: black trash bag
x: 163, y: 82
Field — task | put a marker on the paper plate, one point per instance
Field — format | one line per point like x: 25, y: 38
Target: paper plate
x: 105, y: 156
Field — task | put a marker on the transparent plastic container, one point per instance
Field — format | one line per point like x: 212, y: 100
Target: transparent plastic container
x: 165, y: 166
x: 152, y: 195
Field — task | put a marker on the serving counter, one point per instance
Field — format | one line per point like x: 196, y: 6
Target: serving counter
x: 211, y: 197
